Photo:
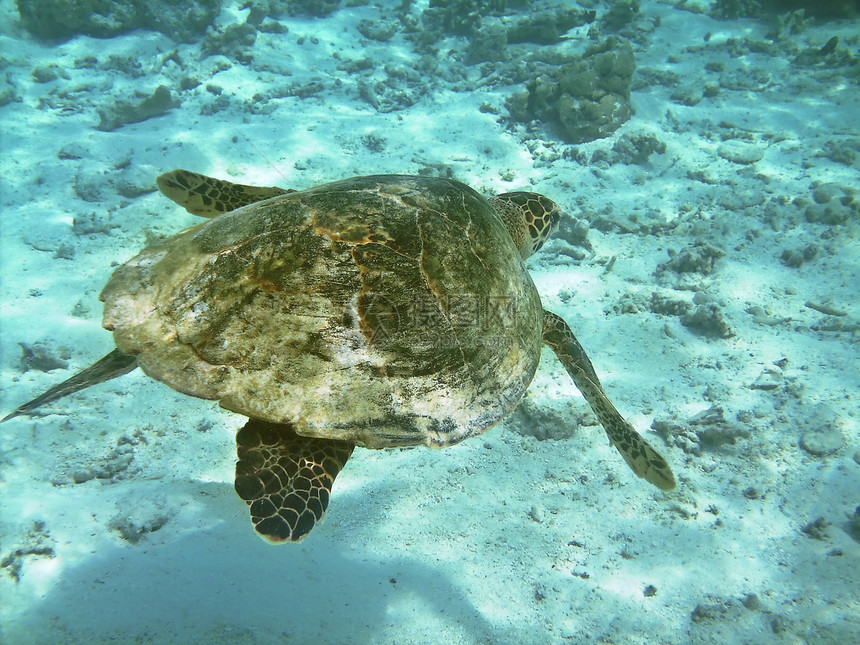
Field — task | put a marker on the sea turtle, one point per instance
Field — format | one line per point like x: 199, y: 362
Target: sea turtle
x: 379, y: 311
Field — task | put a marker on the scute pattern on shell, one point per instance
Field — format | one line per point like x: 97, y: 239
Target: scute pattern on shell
x: 387, y: 310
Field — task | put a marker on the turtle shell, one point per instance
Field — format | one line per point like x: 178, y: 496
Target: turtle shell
x: 387, y: 310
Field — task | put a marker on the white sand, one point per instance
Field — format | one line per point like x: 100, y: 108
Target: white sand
x: 504, y: 538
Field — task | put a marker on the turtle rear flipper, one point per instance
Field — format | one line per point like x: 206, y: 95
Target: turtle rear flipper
x: 646, y: 462
x: 108, y: 367
x: 208, y: 197
x: 286, y: 479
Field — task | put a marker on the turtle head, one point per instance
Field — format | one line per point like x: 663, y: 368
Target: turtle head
x: 530, y: 219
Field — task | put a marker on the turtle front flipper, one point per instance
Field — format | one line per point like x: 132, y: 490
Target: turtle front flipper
x: 638, y: 453
x: 286, y: 479
x: 209, y: 197
x: 108, y: 367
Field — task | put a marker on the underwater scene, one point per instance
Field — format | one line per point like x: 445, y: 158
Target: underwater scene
x: 430, y: 322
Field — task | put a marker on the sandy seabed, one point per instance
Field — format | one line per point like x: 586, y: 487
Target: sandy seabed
x: 716, y: 296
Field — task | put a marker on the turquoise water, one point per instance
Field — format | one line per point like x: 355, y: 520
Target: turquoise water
x: 705, y: 155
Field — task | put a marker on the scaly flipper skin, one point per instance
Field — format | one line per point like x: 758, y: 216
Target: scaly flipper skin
x: 209, y: 197
x: 111, y: 366
x: 639, y: 455
x: 286, y: 479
